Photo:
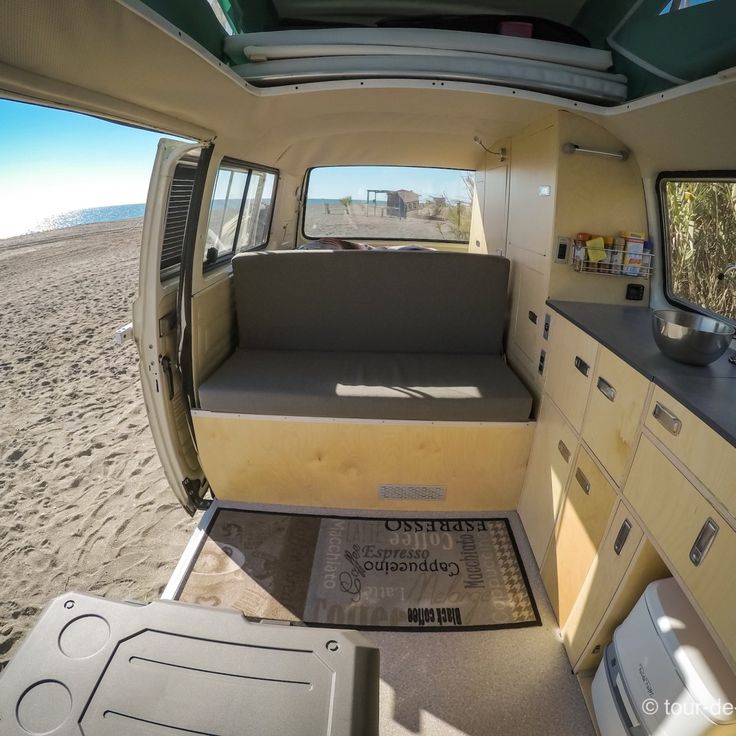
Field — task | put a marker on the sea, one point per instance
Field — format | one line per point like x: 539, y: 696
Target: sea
x: 91, y: 215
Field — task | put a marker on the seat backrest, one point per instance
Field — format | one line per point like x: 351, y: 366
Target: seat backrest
x: 374, y: 301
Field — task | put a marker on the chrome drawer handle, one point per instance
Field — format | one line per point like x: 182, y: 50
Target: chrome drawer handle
x: 606, y: 389
x: 582, y: 366
x: 562, y: 447
x: 583, y: 481
x: 667, y: 419
x: 622, y: 536
x: 703, y: 542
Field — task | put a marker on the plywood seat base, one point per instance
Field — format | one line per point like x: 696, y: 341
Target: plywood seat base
x: 362, y: 463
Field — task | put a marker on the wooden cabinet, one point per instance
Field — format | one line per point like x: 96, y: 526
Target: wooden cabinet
x: 582, y: 524
x: 531, y: 192
x: 528, y: 312
x: 704, y: 452
x: 571, y: 362
x: 626, y: 563
x: 618, y: 395
x: 550, y: 463
x: 676, y: 514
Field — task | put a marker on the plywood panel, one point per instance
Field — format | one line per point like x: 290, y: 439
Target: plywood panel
x: 550, y: 463
x: 567, y: 385
x: 646, y: 567
x: 674, y: 511
x: 213, y: 328
x: 611, y: 426
x: 582, y: 524
x: 704, y: 452
x: 533, y: 165
x: 342, y: 463
x: 599, y: 195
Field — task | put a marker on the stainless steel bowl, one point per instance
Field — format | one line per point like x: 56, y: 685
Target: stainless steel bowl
x: 690, y: 338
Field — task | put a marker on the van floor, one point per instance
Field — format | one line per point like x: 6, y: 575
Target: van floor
x: 474, y: 683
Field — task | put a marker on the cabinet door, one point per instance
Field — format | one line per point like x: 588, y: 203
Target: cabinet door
x: 530, y: 290
x: 704, y: 452
x: 571, y: 364
x: 645, y: 567
x: 618, y: 395
x: 531, y: 193
x: 675, y: 514
x: 582, y: 524
x: 550, y: 462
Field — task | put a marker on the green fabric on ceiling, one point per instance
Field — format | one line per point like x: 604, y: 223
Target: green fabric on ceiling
x: 688, y: 44
x: 196, y: 19
x: 251, y: 15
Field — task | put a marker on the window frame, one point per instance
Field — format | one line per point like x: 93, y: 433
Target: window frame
x: 710, y: 175
x: 305, y: 197
x: 247, y: 168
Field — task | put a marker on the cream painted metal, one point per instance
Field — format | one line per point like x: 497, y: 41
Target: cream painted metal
x: 571, y: 364
x: 154, y: 306
x: 550, y: 464
x: 317, y: 463
x: 675, y: 513
x: 573, y: 549
x: 695, y: 447
x: 618, y: 395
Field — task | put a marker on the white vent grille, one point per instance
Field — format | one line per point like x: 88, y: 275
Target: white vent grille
x: 412, y: 493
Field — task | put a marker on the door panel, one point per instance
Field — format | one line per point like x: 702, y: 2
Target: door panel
x: 675, y: 514
x: 155, y: 318
x: 582, y: 524
x: 618, y: 394
x: 550, y: 463
x: 570, y: 366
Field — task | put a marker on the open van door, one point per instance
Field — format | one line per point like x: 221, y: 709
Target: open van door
x: 169, y: 231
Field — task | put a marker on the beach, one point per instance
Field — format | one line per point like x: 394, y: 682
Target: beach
x: 84, y: 504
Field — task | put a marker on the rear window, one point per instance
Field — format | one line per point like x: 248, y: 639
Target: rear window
x: 389, y: 203
x: 700, y: 241
x: 240, y: 212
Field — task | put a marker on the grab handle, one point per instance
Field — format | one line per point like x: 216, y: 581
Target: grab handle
x: 562, y: 447
x: 622, y: 536
x: 582, y: 366
x: 583, y: 481
x: 667, y: 419
x: 606, y: 389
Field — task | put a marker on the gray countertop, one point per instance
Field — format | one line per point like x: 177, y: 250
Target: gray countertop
x: 709, y: 391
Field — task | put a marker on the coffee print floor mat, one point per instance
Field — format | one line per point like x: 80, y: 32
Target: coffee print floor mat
x: 364, y: 573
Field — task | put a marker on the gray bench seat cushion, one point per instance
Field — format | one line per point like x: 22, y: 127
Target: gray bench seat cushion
x: 408, y: 386
x: 371, y: 301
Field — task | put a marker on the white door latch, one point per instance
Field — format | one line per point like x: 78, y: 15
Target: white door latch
x: 123, y: 333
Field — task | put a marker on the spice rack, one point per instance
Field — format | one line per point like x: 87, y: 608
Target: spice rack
x: 615, y: 264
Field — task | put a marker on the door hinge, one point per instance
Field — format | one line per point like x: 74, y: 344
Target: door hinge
x: 192, y: 487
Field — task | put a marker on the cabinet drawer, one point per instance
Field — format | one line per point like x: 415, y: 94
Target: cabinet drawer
x: 703, y: 451
x: 550, y: 462
x: 571, y: 364
x: 582, y: 524
x: 618, y: 395
x: 674, y: 512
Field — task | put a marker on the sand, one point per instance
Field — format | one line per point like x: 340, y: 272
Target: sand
x: 361, y: 221
x: 83, y: 501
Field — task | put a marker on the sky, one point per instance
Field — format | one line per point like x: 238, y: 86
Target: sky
x: 342, y: 181
x: 54, y: 161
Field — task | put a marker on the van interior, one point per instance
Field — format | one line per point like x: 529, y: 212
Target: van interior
x: 436, y: 293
